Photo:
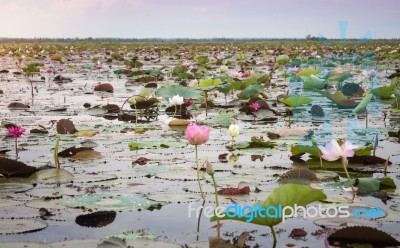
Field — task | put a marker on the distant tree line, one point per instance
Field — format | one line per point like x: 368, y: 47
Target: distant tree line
x: 90, y: 39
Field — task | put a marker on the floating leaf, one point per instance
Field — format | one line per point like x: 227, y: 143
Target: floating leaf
x: 295, y: 101
x: 113, y: 202
x: 53, y: 176
x: 17, y: 226
x: 298, y: 173
x: 96, y: 219
x: 251, y: 91
x: 88, y: 154
x: 223, y: 119
x: 234, y: 191
x: 178, y: 122
x: 307, y: 72
x: 185, y: 92
x: 255, y: 143
x: 105, y: 87
x: 86, y: 133
x: 65, y: 126
x: 209, y: 83
x: 362, y: 235
x: 136, y: 145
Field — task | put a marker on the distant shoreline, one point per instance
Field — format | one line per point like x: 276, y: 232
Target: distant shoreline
x: 161, y: 40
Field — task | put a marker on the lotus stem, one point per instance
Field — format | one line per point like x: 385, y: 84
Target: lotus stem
x: 175, y: 111
x: 56, y: 161
x: 16, y: 147
x: 198, y: 221
x: 136, y: 115
x: 216, y: 205
x: 198, y: 173
x: 273, y: 235
x: 206, y: 96
x: 345, y: 162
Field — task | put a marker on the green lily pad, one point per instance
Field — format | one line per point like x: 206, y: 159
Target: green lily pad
x: 251, y: 91
x: 295, y: 101
x: 137, y: 145
x: 185, y: 92
x: 307, y: 72
x: 255, y: 143
x: 114, y: 202
x: 223, y: 119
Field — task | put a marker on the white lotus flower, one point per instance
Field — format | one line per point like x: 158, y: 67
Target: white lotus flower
x: 176, y: 100
x: 233, y: 130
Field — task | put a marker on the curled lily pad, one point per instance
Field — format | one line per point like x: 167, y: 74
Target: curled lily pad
x: 14, y: 168
x: 111, y: 202
x: 185, y: 92
x: 17, y: 226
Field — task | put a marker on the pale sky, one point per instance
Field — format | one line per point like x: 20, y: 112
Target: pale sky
x: 198, y: 18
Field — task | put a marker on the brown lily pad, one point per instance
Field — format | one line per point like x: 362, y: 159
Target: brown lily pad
x: 364, y: 235
x: 105, y: 87
x: 65, y: 126
x: 234, y: 191
x: 18, y: 105
x: 14, y: 168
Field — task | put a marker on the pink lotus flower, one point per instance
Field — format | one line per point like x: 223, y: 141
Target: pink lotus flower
x: 186, y: 63
x: 49, y: 71
x: 196, y: 134
x: 16, y: 131
x: 194, y: 70
x: 61, y: 69
x: 245, y: 75
x: 255, y: 106
x: 293, y: 70
x: 188, y: 102
x: 99, y: 67
x: 333, y: 151
x: 236, y: 74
